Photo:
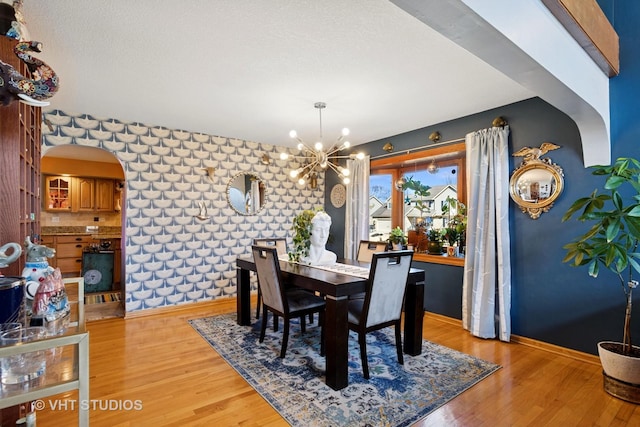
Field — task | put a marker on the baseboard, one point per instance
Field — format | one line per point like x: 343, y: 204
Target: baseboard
x: 217, y: 303
x: 551, y: 348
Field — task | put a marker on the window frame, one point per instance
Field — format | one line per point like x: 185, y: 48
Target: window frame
x: 453, y: 154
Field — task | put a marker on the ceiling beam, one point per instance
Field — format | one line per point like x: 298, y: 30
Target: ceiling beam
x: 525, y: 42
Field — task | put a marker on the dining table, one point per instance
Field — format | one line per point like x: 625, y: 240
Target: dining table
x: 336, y: 287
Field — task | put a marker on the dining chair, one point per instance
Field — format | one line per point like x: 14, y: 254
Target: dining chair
x: 382, y: 304
x: 281, y: 246
x: 367, y: 248
x: 287, y: 304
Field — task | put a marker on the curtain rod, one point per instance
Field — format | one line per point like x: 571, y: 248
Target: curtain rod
x: 435, y: 137
x: 436, y: 144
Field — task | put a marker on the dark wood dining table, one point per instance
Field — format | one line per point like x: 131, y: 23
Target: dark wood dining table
x: 337, y: 288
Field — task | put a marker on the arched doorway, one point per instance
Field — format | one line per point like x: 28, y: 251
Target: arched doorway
x: 82, y: 216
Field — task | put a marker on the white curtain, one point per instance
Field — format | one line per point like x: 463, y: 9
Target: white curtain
x: 356, y: 217
x: 486, y: 291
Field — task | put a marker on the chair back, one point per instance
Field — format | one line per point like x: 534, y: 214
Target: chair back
x: 386, y: 286
x: 268, y: 269
x: 279, y: 243
x: 367, y: 248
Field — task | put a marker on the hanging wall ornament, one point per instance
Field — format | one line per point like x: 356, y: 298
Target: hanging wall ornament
x: 43, y: 83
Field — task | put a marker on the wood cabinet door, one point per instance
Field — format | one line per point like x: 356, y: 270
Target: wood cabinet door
x: 104, y: 195
x: 59, y: 190
x: 85, y: 189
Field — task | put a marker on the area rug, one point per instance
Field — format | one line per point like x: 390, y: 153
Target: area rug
x: 395, y: 395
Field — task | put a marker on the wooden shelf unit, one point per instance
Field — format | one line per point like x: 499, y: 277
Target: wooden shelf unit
x: 20, y: 139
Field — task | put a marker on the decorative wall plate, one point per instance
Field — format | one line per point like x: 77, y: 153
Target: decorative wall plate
x: 338, y: 195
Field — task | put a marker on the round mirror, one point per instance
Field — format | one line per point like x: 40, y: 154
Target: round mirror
x: 535, y: 186
x: 246, y: 193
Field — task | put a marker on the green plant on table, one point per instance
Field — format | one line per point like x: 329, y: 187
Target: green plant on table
x: 302, y: 234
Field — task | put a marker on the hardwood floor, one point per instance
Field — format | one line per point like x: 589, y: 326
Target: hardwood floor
x: 160, y: 363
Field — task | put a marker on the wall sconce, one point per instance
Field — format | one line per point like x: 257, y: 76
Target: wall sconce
x: 209, y: 171
x: 313, y: 180
x: 388, y: 147
x: 435, y: 136
x: 265, y: 159
x: 499, y: 122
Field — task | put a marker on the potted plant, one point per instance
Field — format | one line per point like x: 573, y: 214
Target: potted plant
x: 397, y: 238
x: 434, y: 246
x: 302, y: 234
x: 420, y: 198
x: 455, y: 232
x: 451, y: 235
x: 612, y: 243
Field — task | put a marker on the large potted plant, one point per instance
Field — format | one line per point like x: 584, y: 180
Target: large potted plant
x: 612, y: 243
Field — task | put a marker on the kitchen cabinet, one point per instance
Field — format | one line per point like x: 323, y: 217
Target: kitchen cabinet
x: 85, y: 195
x: 104, y: 194
x: 58, y: 192
x: 69, y: 250
x: 79, y: 194
x: 69, y: 253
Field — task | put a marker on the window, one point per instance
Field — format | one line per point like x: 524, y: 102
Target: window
x: 442, y: 168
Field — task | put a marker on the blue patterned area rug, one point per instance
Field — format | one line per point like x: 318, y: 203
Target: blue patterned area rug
x: 396, y: 395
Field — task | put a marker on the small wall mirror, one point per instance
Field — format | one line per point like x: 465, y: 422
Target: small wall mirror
x: 246, y: 193
x: 536, y: 183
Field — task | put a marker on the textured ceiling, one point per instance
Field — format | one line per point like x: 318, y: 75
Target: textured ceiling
x: 253, y: 69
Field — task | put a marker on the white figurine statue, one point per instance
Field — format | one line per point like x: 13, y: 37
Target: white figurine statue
x: 318, y: 255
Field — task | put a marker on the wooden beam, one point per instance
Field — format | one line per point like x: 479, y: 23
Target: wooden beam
x: 586, y: 23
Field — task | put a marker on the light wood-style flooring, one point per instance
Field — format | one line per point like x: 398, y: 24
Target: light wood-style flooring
x: 179, y: 380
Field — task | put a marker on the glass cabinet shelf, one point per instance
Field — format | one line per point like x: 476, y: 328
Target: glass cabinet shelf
x: 67, y: 357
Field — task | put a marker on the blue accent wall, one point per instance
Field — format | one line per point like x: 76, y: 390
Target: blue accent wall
x: 551, y: 301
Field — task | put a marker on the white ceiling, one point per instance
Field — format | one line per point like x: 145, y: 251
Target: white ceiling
x: 252, y: 69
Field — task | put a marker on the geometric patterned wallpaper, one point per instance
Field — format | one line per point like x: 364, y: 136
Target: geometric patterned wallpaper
x: 172, y: 257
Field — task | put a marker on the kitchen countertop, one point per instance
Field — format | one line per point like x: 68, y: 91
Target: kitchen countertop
x: 100, y: 233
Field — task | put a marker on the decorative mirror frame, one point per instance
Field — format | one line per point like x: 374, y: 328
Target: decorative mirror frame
x: 532, y: 161
x: 263, y: 193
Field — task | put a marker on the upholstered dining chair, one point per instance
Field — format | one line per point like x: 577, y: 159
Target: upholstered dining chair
x: 382, y: 304
x: 285, y: 303
x: 281, y: 246
x: 367, y: 248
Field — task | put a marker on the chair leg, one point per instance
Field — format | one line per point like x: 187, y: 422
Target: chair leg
x: 263, y: 327
x: 276, y: 322
x: 310, y: 318
x: 259, y: 302
x: 285, y: 338
x: 399, y: 344
x: 321, y: 321
x: 362, y: 340
x: 303, y: 324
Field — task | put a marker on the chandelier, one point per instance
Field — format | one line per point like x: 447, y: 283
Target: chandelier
x: 316, y: 158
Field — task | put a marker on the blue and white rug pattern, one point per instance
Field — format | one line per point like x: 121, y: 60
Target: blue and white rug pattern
x: 395, y: 395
